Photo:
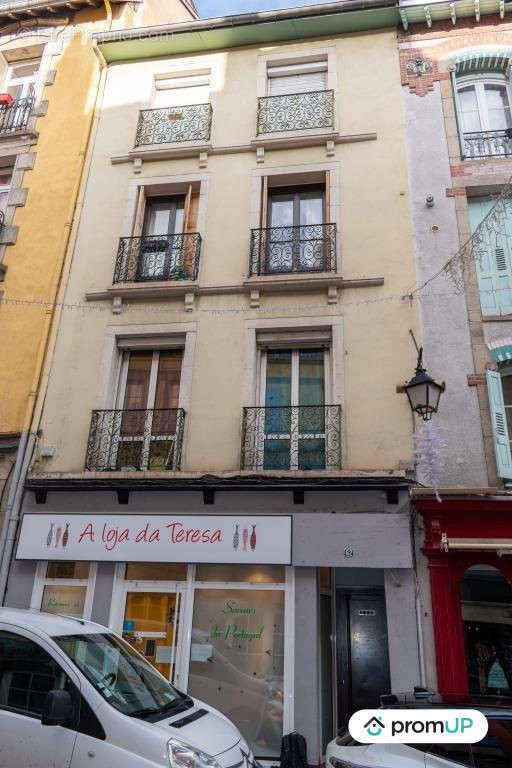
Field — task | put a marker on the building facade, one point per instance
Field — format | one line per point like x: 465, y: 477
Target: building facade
x: 455, y: 71
x: 50, y: 78
x: 223, y: 460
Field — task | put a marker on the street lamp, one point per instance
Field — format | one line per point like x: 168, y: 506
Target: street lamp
x: 423, y: 392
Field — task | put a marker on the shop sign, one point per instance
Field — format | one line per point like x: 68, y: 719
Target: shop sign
x: 264, y: 539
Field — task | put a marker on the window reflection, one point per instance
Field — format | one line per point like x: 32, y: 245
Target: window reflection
x: 486, y: 599
x: 237, y: 660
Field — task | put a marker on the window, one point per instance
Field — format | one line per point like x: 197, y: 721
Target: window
x: 292, y: 216
x: 237, y: 660
x: 64, y: 587
x: 181, y: 91
x: 165, y: 244
x: 293, y: 395
x: 484, y: 115
x: 180, y: 111
x: 148, y: 397
x: 485, y: 106
x: 295, y: 234
x: 22, y: 77
x: 495, y: 751
x: 493, y: 254
x: 27, y: 673
x: 295, y: 97
x: 297, y: 78
x: 455, y: 754
x: 5, y: 186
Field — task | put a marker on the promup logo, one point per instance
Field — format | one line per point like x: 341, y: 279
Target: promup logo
x: 417, y: 726
x: 374, y: 726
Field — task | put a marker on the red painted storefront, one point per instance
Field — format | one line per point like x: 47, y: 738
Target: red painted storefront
x: 475, y: 518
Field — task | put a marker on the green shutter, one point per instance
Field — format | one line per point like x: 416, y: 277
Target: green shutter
x: 493, y: 259
x: 458, y: 115
x: 499, y: 425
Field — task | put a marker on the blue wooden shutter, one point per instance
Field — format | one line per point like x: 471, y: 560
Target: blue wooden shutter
x: 499, y: 425
x: 493, y: 259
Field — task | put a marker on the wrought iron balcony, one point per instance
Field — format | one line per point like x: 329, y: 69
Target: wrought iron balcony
x: 488, y: 144
x: 14, y: 116
x: 172, y: 125
x: 281, y: 250
x: 296, y: 112
x: 158, y: 257
x: 296, y: 437
x: 135, y: 439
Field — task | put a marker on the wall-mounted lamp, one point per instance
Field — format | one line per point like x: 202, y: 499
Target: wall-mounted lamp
x: 423, y: 392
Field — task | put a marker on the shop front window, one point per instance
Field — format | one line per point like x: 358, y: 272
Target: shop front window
x: 486, y: 598
x: 65, y: 588
x: 237, y: 660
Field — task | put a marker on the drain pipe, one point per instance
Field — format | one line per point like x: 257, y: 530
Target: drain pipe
x: 11, y: 512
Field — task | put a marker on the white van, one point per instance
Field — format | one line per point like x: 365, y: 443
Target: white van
x: 75, y: 695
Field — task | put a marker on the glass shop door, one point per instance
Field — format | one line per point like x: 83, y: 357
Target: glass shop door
x: 151, y: 625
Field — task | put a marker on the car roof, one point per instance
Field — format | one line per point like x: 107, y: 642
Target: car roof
x: 48, y: 623
x: 493, y: 706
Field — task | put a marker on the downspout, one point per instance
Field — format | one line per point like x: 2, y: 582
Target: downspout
x: 37, y: 396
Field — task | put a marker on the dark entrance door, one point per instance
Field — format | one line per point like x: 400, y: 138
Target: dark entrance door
x: 362, y: 651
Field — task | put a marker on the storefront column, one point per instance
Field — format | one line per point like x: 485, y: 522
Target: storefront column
x: 448, y: 632
x: 103, y: 593
x: 20, y: 584
x: 307, y: 669
x: 402, y: 629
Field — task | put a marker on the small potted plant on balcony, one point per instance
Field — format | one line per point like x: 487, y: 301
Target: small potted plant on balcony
x: 6, y: 99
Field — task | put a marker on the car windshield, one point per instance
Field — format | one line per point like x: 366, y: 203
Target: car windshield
x: 122, y: 676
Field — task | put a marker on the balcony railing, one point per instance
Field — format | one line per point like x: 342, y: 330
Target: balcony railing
x: 171, y: 125
x: 296, y: 112
x: 158, y: 257
x: 281, y: 250
x: 299, y: 437
x: 488, y: 144
x: 14, y: 116
x: 135, y: 439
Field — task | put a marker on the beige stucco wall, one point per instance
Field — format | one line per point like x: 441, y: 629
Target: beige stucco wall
x: 375, y: 239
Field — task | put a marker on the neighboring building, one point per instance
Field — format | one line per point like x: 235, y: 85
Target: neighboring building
x: 455, y: 62
x: 227, y: 358
x: 49, y: 81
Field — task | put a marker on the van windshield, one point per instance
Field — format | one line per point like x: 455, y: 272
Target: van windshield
x: 124, y: 678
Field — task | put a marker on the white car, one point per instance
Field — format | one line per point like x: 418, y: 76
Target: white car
x: 73, y: 695
x: 494, y: 751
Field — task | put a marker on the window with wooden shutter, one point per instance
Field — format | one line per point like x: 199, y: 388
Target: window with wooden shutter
x: 297, y: 78
x: 493, y: 257
x: 496, y: 389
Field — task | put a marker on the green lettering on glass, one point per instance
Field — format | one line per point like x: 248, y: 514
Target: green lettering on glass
x: 232, y: 607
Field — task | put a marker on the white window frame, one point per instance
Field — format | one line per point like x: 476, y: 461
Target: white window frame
x: 41, y: 581
x: 479, y: 82
x: 183, y: 640
x: 6, y: 187
x: 25, y: 81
